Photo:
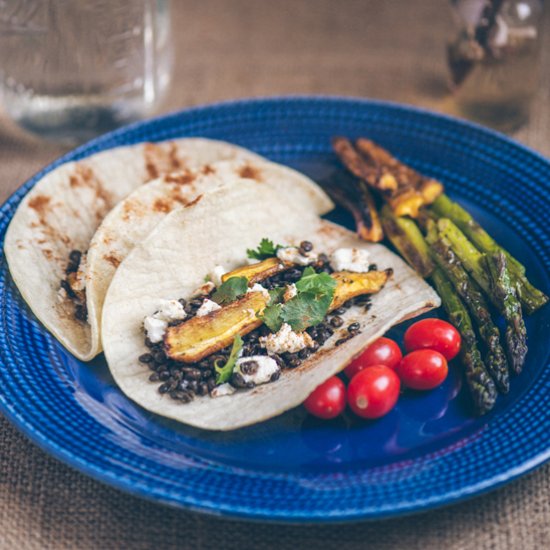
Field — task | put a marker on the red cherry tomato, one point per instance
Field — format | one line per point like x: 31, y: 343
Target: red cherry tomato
x: 433, y: 334
x: 373, y: 392
x: 423, y: 369
x: 381, y: 352
x: 327, y: 400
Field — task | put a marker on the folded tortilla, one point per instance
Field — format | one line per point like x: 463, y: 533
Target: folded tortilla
x: 133, y: 218
x: 64, y: 209
x: 216, y: 230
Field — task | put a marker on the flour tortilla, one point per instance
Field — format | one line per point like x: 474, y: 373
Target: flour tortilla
x: 133, y: 218
x: 218, y: 229
x: 65, y: 207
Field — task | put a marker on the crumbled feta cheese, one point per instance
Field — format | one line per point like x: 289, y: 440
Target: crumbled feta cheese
x: 292, y: 254
x: 286, y: 340
x: 155, y: 328
x: 78, y: 282
x: 257, y: 287
x: 216, y: 275
x: 208, y: 306
x: 170, y: 310
x: 350, y: 259
x: 61, y: 295
x: 223, y: 389
x: 155, y: 325
x: 290, y: 292
x: 204, y: 289
x: 258, y: 369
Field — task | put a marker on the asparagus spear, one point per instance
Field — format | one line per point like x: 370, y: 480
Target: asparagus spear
x: 495, y: 359
x: 482, y: 387
x: 468, y: 254
x: 494, y: 278
x: 504, y: 291
x: 531, y: 298
x: 407, y: 238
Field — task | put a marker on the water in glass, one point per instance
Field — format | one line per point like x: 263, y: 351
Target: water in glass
x: 70, y: 70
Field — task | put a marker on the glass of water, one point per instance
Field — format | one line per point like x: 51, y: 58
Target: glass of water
x: 70, y: 70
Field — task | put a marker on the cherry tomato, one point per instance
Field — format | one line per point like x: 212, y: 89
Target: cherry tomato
x: 433, y: 334
x: 327, y: 400
x: 423, y: 369
x: 373, y: 392
x: 381, y: 352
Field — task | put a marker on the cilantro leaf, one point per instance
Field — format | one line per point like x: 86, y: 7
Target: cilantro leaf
x: 316, y: 283
x: 223, y: 374
x: 276, y: 295
x: 266, y: 249
x: 310, y: 305
x: 272, y: 317
x: 230, y: 290
x: 306, y: 309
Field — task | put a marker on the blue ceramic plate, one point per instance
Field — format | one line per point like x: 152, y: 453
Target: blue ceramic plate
x: 429, y: 451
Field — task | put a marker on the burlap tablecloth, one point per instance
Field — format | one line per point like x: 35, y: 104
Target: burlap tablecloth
x: 392, y: 50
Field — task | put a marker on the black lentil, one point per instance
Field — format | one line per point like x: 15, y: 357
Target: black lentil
x: 145, y: 358
x: 336, y: 321
x: 73, y: 264
x: 159, y: 357
x: 191, y: 373
x: 305, y: 247
x: 81, y: 312
x: 164, y: 388
x: 343, y: 340
x: 74, y: 256
x: 279, y: 360
x: 237, y: 381
x: 186, y: 397
x: 323, y: 258
x: 249, y: 367
x: 353, y: 327
x: 67, y: 288
x: 74, y: 261
x: 293, y: 362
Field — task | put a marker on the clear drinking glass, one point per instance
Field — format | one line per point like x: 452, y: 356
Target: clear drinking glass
x: 72, y: 69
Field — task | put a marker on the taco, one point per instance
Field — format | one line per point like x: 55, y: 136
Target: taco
x: 237, y: 306
x: 52, y: 228
x: 133, y: 218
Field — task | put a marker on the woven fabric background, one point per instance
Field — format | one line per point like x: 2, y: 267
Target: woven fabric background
x: 391, y: 50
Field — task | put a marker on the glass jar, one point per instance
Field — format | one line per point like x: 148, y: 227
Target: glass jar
x: 70, y: 70
x: 494, y: 60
